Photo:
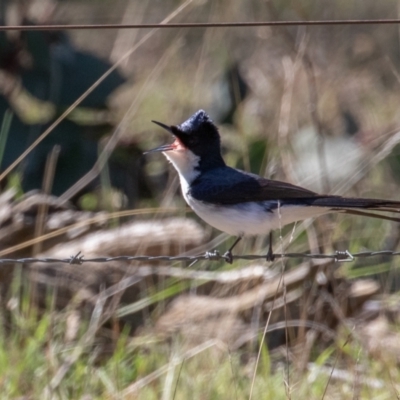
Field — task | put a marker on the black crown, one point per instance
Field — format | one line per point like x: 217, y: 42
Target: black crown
x: 195, y: 122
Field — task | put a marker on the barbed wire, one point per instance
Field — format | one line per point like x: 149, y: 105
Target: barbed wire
x: 79, y: 259
x: 58, y: 27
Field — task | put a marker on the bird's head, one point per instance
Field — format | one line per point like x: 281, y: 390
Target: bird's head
x: 197, y: 143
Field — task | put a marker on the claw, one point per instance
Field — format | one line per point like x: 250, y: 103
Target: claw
x: 228, y: 257
x: 270, y: 255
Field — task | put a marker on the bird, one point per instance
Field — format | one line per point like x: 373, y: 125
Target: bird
x: 242, y: 203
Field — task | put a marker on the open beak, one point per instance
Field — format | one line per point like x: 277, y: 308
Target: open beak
x: 165, y: 147
x: 166, y: 127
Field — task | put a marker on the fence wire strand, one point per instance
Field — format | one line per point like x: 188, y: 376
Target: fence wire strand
x: 79, y: 259
x: 238, y: 24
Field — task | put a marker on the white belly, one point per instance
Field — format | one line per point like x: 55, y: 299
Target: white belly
x: 251, y: 218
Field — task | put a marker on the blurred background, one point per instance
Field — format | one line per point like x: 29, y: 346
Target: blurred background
x: 308, y: 105
x: 315, y: 106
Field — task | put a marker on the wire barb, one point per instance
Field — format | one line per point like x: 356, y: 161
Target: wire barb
x: 213, y: 256
x: 344, y: 256
x: 78, y: 259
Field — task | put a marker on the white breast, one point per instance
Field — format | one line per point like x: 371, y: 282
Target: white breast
x: 251, y: 218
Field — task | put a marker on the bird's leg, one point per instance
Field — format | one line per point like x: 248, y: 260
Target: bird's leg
x: 270, y: 254
x: 228, y: 255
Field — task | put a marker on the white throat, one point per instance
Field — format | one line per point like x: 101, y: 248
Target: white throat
x: 185, y: 162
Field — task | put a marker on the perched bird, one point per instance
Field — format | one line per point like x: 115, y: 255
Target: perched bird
x: 241, y: 203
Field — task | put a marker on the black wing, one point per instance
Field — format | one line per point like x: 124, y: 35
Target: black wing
x: 231, y: 186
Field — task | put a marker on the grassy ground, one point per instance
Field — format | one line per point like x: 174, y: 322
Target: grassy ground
x: 41, y: 358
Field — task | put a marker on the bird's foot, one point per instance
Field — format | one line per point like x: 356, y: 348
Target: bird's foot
x: 270, y: 255
x: 228, y: 256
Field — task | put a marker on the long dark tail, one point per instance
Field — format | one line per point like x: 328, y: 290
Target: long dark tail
x: 357, y: 206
